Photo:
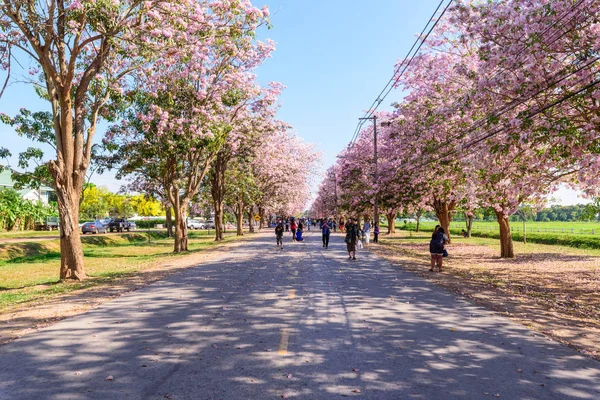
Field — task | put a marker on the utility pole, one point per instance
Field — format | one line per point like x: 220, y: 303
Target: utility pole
x: 335, y: 194
x: 376, y: 172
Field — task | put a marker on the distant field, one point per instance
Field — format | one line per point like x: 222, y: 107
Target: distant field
x: 573, y: 234
x: 533, y: 227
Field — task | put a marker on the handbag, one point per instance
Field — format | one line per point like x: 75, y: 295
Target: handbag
x: 359, y: 245
x: 445, y: 253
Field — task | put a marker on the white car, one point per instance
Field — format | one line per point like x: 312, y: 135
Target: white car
x: 194, y: 224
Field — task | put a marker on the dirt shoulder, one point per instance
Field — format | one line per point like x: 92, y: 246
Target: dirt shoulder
x: 23, y: 319
x: 552, y: 293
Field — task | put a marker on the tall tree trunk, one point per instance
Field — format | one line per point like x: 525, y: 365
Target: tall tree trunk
x: 181, y: 234
x: 506, y: 243
x: 261, y: 213
x: 68, y: 185
x: 169, y: 222
x: 443, y: 211
x: 469, y: 222
x: 71, y: 252
x: 218, y: 192
x: 391, y: 219
x: 239, y: 219
x: 218, y: 205
x: 251, y: 220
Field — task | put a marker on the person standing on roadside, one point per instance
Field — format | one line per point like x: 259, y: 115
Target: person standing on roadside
x: 367, y: 231
x: 352, y: 236
x: 293, y: 228
x: 436, y: 248
x: 326, y: 231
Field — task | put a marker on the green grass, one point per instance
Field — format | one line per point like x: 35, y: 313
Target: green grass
x: 493, y: 243
x: 29, y: 271
x: 551, y: 233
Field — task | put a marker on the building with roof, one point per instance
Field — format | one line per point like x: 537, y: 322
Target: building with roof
x: 42, y: 194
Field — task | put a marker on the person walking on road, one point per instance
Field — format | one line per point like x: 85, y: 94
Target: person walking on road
x: 367, y: 231
x: 352, y: 236
x: 293, y: 228
x: 279, y: 235
x: 326, y: 232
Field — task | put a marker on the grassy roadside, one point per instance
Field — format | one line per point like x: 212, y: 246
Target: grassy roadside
x: 585, y: 235
x: 552, y: 289
x: 29, y: 270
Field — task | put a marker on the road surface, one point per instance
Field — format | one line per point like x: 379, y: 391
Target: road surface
x: 300, y: 323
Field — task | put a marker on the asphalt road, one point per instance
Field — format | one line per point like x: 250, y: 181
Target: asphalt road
x: 303, y: 323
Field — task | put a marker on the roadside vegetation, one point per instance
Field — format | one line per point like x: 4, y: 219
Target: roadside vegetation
x: 28, y: 269
x: 585, y: 235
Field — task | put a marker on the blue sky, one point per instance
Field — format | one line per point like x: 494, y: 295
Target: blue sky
x: 334, y: 56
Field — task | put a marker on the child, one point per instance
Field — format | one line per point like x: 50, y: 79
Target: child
x: 299, y: 237
x: 376, y: 233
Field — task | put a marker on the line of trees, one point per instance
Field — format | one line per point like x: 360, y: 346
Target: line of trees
x: 572, y: 213
x: 176, y: 80
x: 501, y: 108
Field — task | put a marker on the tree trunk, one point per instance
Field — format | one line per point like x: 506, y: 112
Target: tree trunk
x: 391, y: 219
x: 169, y: 222
x: 418, y: 216
x: 181, y: 234
x: 71, y: 252
x: 239, y: 219
x: 506, y: 243
x: 469, y: 222
x: 443, y: 211
x: 68, y: 191
x: 218, y: 193
x: 261, y: 213
x: 251, y: 221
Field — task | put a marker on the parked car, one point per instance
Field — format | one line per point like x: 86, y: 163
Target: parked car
x: 209, y: 224
x: 94, y: 227
x: 121, y: 224
x: 195, y: 224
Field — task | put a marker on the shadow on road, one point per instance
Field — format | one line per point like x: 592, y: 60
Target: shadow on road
x: 298, y: 323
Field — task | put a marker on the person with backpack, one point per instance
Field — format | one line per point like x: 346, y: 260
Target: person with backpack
x: 436, y: 248
x: 326, y: 233
x: 352, y: 237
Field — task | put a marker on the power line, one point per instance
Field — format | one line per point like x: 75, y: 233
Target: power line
x: 397, y: 74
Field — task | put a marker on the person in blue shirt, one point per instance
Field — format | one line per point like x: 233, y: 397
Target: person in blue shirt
x: 299, y: 237
x: 326, y: 231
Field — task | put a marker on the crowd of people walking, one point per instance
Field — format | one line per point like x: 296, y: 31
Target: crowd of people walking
x: 355, y: 236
